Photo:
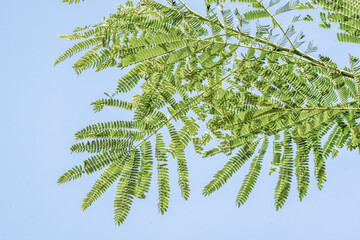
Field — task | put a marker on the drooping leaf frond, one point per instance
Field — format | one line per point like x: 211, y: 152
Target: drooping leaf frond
x: 163, y: 174
x: 285, y: 172
x: 145, y: 172
x: 302, y: 170
x: 232, y: 166
x: 101, y: 103
x: 106, y: 179
x: 252, y: 176
x: 72, y: 174
x: 126, y: 188
x: 179, y: 153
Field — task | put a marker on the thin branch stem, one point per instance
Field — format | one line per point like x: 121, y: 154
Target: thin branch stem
x: 277, y: 23
x: 324, y: 108
x: 221, y: 24
x: 194, y: 13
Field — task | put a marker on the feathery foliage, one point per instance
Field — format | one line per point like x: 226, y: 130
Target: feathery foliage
x: 242, y: 74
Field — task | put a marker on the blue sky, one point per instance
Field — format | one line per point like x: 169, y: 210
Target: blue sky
x: 43, y: 106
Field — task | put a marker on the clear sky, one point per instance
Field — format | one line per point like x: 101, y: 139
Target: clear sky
x: 42, y: 107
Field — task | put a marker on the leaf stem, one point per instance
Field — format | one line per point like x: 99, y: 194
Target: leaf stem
x: 277, y: 23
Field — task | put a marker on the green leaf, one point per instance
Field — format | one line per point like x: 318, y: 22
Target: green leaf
x: 252, y: 176
x: 302, y: 170
x: 286, y: 171
x: 163, y: 174
x: 145, y: 174
x: 126, y: 188
x: 232, y: 166
x: 107, y: 178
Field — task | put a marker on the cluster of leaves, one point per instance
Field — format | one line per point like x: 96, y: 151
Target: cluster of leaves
x: 240, y: 74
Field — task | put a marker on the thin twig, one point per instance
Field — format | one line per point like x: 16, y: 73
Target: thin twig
x: 277, y: 23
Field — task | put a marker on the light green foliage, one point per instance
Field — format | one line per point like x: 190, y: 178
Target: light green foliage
x: 236, y: 71
x: 232, y: 166
x: 126, y: 188
x: 145, y: 174
x: 251, y: 177
x: 285, y: 172
x: 163, y: 174
x: 302, y: 170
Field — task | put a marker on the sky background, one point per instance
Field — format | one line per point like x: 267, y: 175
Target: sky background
x: 43, y: 106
